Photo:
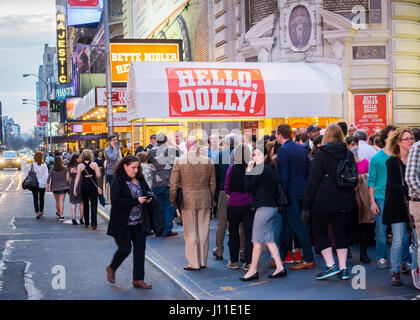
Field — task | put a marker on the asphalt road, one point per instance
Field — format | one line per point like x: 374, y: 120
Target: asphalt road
x: 51, y: 260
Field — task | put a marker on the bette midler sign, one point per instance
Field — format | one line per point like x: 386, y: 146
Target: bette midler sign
x: 214, y: 92
x: 125, y: 51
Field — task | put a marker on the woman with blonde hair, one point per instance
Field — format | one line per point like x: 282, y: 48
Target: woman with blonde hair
x: 396, y: 197
x: 91, y: 175
x: 329, y: 202
x: 41, y: 171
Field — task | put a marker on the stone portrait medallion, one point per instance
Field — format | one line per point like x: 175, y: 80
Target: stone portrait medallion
x: 300, y: 27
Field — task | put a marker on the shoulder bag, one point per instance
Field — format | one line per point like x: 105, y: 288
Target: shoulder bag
x: 30, y: 182
x: 90, y: 176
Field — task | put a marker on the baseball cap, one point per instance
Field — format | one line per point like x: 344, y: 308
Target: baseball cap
x: 313, y: 128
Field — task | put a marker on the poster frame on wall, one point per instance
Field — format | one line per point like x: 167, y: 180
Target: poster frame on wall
x: 145, y: 41
x: 389, y: 105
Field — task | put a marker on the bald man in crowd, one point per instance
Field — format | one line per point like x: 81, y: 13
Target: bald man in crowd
x: 195, y: 175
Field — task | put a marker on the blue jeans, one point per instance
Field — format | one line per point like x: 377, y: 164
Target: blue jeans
x: 292, y: 222
x: 380, y: 232
x: 109, y: 179
x: 162, y: 195
x: 399, y: 232
x: 414, y: 252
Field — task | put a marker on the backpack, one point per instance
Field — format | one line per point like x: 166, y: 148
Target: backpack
x: 347, y: 176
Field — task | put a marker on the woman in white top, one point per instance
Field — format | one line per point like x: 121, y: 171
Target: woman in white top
x: 41, y: 171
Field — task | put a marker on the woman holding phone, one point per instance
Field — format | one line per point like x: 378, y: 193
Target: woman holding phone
x: 260, y: 180
x: 128, y: 222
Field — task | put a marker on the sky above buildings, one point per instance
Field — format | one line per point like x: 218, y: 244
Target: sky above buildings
x: 25, y: 27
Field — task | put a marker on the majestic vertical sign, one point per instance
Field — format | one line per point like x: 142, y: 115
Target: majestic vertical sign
x: 205, y: 92
x: 370, y: 111
x: 61, y: 48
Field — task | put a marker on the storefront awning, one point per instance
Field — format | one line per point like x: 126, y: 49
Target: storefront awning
x: 228, y: 91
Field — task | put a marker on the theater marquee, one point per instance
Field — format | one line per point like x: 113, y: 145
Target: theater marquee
x: 123, y: 52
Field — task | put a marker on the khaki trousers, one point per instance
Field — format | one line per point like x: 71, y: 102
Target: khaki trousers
x: 415, y: 212
x: 196, y: 225
x: 222, y: 226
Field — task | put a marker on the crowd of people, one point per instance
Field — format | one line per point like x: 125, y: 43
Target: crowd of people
x: 317, y: 190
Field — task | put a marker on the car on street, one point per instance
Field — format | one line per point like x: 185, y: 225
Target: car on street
x: 10, y: 159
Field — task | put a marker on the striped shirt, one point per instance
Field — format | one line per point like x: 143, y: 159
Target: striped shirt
x: 412, y: 174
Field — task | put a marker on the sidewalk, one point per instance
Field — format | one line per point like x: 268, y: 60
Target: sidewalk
x: 217, y: 282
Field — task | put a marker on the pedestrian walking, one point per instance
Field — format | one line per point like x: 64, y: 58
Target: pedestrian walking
x: 239, y: 208
x: 260, y: 180
x: 313, y: 131
x: 77, y: 199
x: 292, y: 173
x: 90, y: 174
x: 194, y: 174
x: 395, y: 210
x: 41, y: 171
x: 377, y: 186
x: 162, y: 158
x: 100, y: 161
x: 129, y: 224
x: 412, y: 176
x: 329, y: 202
x: 58, y: 184
x: 112, y: 155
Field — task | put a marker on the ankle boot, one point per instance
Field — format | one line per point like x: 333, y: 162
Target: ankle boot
x: 363, y: 255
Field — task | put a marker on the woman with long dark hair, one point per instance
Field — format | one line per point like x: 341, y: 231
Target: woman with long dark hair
x: 239, y: 207
x: 75, y: 160
x: 260, y: 180
x: 89, y: 171
x: 130, y: 195
x: 58, y: 184
x: 41, y: 171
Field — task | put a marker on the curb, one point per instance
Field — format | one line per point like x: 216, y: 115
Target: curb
x: 105, y: 216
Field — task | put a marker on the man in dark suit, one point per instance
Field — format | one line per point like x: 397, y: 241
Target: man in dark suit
x: 292, y: 174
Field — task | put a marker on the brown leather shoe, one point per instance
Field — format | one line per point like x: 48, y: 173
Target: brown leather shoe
x: 141, y: 284
x: 303, y: 265
x: 110, y: 274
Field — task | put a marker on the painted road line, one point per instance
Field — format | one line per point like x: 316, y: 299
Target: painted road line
x: 11, y: 182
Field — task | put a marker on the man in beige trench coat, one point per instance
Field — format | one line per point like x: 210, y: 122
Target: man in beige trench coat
x: 195, y: 175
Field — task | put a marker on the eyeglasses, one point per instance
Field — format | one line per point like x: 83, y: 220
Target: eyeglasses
x: 409, y: 139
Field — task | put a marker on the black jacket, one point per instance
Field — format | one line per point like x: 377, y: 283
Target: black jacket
x: 395, y: 210
x: 322, y: 192
x: 262, y: 183
x: 121, y: 204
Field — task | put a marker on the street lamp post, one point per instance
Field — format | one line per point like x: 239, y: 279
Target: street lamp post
x: 49, y: 137
x: 110, y: 120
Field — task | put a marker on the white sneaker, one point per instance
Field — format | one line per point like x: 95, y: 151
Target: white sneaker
x: 232, y: 265
x: 416, y: 278
x: 381, y: 264
x: 246, y: 266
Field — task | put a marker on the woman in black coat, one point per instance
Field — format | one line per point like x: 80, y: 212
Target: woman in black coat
x: 330, y: 203
x: 395, y: 210
x: 129, y: 222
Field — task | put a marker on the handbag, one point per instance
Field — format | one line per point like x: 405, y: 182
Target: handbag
x: 30, y: 182
x: 179, y: 200
x: 281, y: 197
x: 99, y: 189
x: 406, y: 203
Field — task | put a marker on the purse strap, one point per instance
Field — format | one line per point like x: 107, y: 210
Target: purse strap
x: 90, y: 176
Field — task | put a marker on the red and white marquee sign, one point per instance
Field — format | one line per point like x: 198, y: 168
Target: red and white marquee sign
x: 370, y: 111
x: 82, y: 4
x: 42, y: 113
x: 118, y: 97
x: 215, y: 92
